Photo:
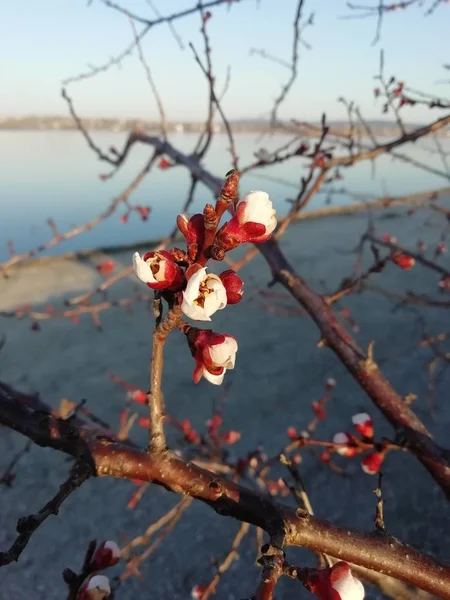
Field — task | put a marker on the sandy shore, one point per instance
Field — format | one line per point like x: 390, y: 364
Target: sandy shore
x: 279, y: 372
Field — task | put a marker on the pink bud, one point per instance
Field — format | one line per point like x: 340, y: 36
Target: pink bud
x: 214, y: 422
x: 440, y: 248
x: 292, y: 433
x: 107, y: 554
x: 230, y: 437
x: 363, y: 424
x: 233, y: 285
x: 444, y: 283
x: 390, y: 239
x: 371, y: 463
x: 164, y: 164
x: 193, y: 231
x: 106, y: 267
x: 319, y: 410
x: 191, y: 436
x: 404, y: 261
x: 335, y: 583
x: 138, y: 396
x: 345, y: 447
x: 198, y: 591
x: 143, y: 212
x: 144, y: 422
x: 95, y: 587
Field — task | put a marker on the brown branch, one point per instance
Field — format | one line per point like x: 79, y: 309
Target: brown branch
x: 167, y: 525
x: 416, y: 255
x: 421, y: 199
x: 157, y: 442
x: 293, y: 66
x: 143, y: 539
x: 169, y: 19
x: 148, y: 74
x: 412, y: 136
x: 113, y: 459
x: 215, y: 99
x: 26, y: 526
x: 226, y: 562
x: 149, y: 24
x: 363, y: 368
x: 366, y: 373
x: 74, y: 313
x: 338, y: 135
x: 272, y: 563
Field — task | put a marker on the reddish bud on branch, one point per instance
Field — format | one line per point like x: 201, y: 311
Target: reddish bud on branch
x: 233, y: 285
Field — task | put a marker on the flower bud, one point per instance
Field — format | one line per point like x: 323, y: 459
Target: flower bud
x: 107, y: 554
x: 158, y: 270
x: 346, y: 447
x: 193, y: 231
x: 335, y: 583
x: 253, y: 221
x: 371, y: 464
x: 404, y: 261
x: 213, y: 353
x: 96, y: 587
x: 363, y: 424
x: 233, y: 285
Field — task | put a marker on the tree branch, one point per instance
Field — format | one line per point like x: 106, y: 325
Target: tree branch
x: 107, y: 457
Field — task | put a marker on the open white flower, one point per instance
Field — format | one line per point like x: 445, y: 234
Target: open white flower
x: 259, y: 209
x: 157, y: 269
x: 348, y: 587
x: 223, y: 356
x: 204, y: 295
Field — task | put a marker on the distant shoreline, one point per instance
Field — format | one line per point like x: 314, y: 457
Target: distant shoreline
x: 114, y: 125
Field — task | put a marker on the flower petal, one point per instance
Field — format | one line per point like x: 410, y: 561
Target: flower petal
x: 142, y: 270
x: 193, y: 311
x: 224, y: 355
x: 214, y: 379
x: 193, y: 285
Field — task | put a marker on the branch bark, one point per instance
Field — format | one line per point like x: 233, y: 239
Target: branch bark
x: 107, y: 457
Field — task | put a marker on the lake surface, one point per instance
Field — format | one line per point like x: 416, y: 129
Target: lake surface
x: 54, y: 174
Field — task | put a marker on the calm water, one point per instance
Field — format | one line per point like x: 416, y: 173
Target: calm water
x: 54, y: 174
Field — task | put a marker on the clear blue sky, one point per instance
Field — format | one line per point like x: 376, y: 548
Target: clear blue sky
x: 45, y: 41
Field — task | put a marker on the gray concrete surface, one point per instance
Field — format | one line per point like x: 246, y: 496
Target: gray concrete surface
x: 279, y: 372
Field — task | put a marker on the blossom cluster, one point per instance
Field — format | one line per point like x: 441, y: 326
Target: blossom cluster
x: 349, y: 445
x: 183, y: 279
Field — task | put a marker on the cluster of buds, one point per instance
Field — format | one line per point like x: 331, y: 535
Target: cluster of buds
x: 334, y: 583
x: 225, y: 437
x: 96, y: 586
x: 181, y: 277
x: 350, y: 445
